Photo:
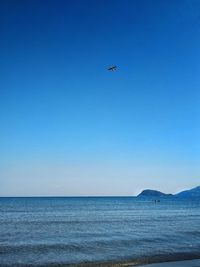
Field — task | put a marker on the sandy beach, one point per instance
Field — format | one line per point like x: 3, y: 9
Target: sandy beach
x: 186, y: 263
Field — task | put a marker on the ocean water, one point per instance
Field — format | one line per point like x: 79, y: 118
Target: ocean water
x: 59, y: 231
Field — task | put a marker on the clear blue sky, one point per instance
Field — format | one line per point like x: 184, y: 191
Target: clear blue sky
x: 69, y: 126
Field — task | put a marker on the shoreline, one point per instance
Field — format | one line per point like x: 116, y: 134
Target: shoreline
x: 185, y: 263
x: 172, y: 260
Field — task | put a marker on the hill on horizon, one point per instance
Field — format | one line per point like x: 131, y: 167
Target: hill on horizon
x: 193, y: 193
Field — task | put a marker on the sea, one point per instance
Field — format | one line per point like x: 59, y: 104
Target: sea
x: 61, y: 231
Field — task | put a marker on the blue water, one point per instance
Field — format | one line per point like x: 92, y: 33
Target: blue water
x: 45, y: 231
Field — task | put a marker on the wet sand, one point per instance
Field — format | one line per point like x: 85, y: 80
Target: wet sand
x: 179, y: 263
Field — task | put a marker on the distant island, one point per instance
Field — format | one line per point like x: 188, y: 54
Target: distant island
x: 193, y: 193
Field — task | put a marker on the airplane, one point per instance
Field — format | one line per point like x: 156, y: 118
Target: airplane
x: 113, y: 68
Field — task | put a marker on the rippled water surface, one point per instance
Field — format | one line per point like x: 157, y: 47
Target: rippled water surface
x: 44, y: 231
